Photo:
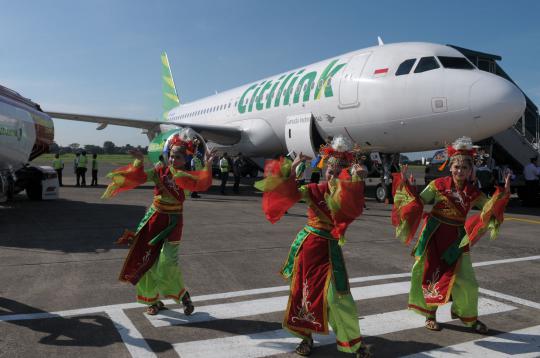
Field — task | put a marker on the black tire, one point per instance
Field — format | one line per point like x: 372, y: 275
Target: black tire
x: 381, y: 193
x: 34, y: 190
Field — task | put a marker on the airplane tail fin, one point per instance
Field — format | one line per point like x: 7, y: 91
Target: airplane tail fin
x: 170, y: 96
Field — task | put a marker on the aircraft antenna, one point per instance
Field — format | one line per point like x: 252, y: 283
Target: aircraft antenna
x: 380, y: 41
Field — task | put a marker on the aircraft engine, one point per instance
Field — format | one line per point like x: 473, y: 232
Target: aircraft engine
x: 258, y: 138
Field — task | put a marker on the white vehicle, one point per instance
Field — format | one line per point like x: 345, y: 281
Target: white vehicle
x: 25, y: 133
x: 390, y: 98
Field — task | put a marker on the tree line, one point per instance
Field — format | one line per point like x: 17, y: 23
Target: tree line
x: 107, y: 148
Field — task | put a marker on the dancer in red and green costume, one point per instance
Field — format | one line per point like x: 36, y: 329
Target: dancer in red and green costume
x: 152, y: 261
x: 443, y: 270
x: 319, y: 286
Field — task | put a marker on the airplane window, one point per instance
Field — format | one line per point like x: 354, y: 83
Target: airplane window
x: 455, y: 62
x: 229, y: 105
x: 426, y: 64
x: 405, y: 67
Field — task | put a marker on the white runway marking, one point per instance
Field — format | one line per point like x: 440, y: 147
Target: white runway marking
x: 506, y: 261
x: 524, y: 343
x: 133, y: 339
x: 274, y: 341
x: 265, y: 305
x: 514, y: 299
x: 124, y: 306
x: 279, y: 341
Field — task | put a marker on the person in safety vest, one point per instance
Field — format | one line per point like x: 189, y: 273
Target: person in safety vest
x: 224, y: 168
x: 58, y: 166
x: 81, y: 169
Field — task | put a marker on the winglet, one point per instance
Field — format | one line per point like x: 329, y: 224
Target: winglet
x: 170, y: 96
x: 380, y: 41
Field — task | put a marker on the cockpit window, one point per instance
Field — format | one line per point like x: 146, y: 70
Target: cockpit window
x: 455, y: 62
x: 405, y: 67
x: 426, y: 64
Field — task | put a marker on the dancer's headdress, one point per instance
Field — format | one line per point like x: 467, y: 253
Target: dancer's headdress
x: 462, y: 146
x: 338, y: 153
x: 182, y: 143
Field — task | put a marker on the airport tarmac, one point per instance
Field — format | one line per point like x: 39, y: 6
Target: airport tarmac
x: 60, y: 296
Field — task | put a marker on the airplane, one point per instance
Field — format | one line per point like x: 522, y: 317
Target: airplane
x: 390, y: 98
x: 25, y: 133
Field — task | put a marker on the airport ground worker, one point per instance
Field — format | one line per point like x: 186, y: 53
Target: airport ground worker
x: 443, y: 270
x: 319, y: 287
x: 82, y: 164
x: 238, y: 163
x: 224, y: 169
x: 58, y: 166
x: 94, y: 170
x: 152, y: 261
x: 531, y: 173
x: 75, y: 166
x: 196, y: 165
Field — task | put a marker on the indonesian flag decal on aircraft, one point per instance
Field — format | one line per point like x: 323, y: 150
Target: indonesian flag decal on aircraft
x: 380, y: 72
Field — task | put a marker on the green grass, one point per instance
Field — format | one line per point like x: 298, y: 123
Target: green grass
x: 113, y: 159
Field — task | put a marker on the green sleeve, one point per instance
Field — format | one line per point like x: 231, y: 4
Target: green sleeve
x: 428, y: 194
x: 480, y: 201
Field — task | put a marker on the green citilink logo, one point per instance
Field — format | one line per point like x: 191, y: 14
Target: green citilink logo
x: 288, y: 89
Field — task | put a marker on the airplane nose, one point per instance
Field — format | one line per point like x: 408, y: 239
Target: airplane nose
x: 496, y: 103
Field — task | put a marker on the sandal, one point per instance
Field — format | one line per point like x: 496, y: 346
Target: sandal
x: 363, y: 352
x: 432, y: 325
x: 152, y: 310
x: 479, y: 327
x: 304, y: 348
x: 188, y: 304
x: 161, y: 305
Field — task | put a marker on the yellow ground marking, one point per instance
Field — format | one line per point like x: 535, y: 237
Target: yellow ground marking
x: 524, y: 220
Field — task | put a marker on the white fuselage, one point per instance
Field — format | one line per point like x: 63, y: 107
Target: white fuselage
x: 360, y: 96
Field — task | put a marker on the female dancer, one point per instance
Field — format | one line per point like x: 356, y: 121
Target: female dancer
x: 443, y: 269
x: 152, y: 261
x: 319, y: 286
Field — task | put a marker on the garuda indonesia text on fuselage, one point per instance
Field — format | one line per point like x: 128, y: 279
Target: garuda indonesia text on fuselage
x: 391, y: 98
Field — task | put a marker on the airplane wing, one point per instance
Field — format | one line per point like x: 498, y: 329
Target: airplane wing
x: 220, y: 134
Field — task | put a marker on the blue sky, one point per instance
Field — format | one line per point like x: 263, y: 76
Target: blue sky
x: 102, y: 57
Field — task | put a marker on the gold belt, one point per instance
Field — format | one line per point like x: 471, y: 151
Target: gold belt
x: 448, y: 221
x: 167, y: 208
